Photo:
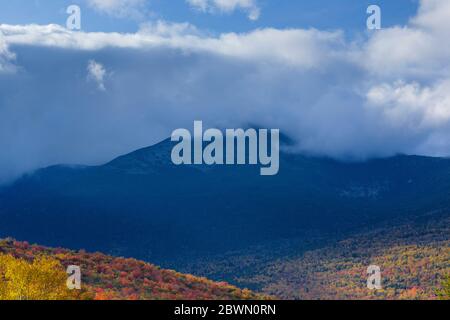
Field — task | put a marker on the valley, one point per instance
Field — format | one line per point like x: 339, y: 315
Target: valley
x: 414, y: 257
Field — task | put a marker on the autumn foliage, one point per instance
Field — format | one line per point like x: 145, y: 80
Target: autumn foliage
x: 444, y: 294
x: 414, y: 257
x: 41, y: 279
x: 38, y: 273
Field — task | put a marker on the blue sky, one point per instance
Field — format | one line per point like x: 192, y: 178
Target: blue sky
x: 322, y: 14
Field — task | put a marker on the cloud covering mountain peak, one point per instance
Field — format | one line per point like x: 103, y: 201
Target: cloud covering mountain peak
x: 387, y: 93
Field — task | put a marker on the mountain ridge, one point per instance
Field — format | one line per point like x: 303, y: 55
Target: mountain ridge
x: 141, y: 205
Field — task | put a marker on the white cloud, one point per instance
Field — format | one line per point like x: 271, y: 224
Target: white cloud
x: 433, y: 14
x: 164, y: 29
x: 416, y: 50
x: 249, y: 6
x: 385, y: 95
x: 6, y: 56
x: 120, y: 8
x: 97, y: 73
x: 413, y: 106
x: 297, y: 47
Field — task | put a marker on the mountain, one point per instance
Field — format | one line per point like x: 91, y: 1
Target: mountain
x: 141, y: 205
x: 105, y: 277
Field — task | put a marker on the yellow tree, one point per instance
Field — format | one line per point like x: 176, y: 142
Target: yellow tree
x: 444, y: 294
x: 42, y: 279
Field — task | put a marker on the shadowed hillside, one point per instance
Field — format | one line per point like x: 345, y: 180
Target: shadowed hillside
x: 141, y: 205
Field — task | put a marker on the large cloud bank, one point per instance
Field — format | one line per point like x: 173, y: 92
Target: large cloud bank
x: 74, y: 97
